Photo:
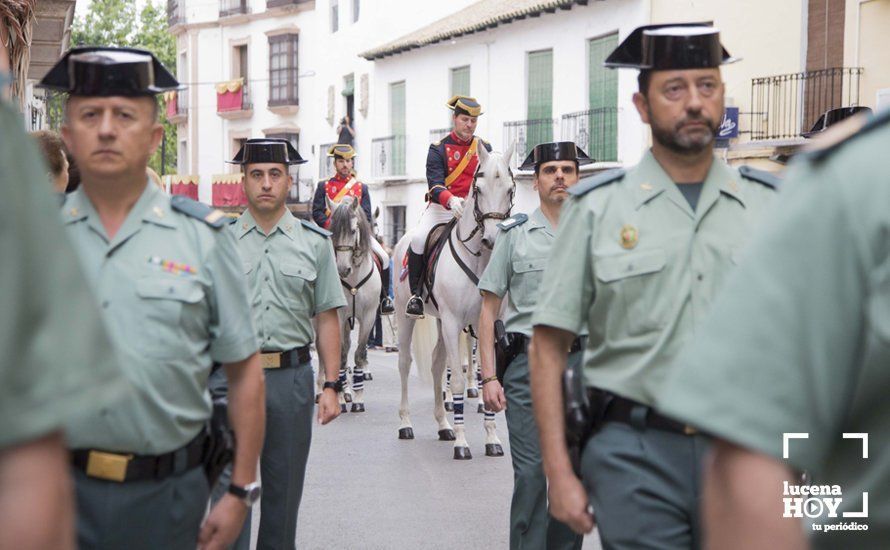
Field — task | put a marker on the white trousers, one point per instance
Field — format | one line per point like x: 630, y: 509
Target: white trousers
x: 432, y: 216
x: 378, y: 249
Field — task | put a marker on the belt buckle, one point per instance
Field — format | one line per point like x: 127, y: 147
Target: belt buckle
x: 108, y: 466
x: 689, y: 430
x: 271, y: 360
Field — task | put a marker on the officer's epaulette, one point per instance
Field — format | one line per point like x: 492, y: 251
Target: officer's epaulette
x: 760, y: 176
x: 233, y: 220
x: 835, y: 137
x: 212, y: 217
x: 513, y: 221
x: 320, y: 230
x: 597, y: 180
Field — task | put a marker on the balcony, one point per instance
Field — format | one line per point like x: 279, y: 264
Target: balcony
x: 783, y: 106
x: 595, y: 131
x: 228, y: 8
x: 438, y: 134
x: 325, y: 163
x: 526, y: 134
x: 233, y: 99
x: 283, y: 3
x: 175, y: 12
x: 388, y: 157
x: 177, y: 106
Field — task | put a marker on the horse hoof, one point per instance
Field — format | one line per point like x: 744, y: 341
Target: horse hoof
x: 446, y: 435
x: 449, y: 406
x: 342, y: 407
x: 462, y: 453
x: 494, y: 449
x: 368, y: 376
x: 347, y: 397
x: 358, y: 407
x: 472, y: 393
x: 480, y: 409
x: 406, y: 433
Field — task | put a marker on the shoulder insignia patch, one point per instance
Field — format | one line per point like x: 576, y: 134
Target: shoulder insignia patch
x: 513, y: 221
x: 760, y: 176
x: 214, y: 218
x: 312, y: 227
x: 836, y: 136
x: 597, y: 180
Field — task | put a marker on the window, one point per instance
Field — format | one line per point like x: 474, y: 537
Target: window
x: 540, y: 98
x: 397, y: 125
x: 294, y: 169
x: 395, y: 224
x: 283, y: 71
x: 182, y: 159
x: 240, y: 70
x: 460, y: 81
x: 356, y: 4
x: 603, y: 100
x: 335, y: 16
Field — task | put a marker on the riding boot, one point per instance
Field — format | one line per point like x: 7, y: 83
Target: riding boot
x: 386, y: 306
x: 415, y: 275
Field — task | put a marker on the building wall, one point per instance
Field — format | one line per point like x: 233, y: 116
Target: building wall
x: 866, y: 45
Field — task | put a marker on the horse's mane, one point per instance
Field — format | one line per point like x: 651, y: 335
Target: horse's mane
x: 341, y: 225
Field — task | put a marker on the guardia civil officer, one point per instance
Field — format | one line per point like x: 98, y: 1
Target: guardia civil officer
x: 331, y: 192
x: 814, y: 365
x: 450, y: 168
x: 515, y: 269
x: 638, y: 257
x: 292, y: 278
x: 171, y: 288
x: 57, y: 358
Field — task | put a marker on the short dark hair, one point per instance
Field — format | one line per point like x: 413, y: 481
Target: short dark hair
x: 643, y: 80
x: 53, y: 149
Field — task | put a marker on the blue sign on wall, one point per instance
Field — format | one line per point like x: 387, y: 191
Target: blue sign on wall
x: 729, y: 128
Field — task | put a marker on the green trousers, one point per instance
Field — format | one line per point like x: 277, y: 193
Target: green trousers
x: 140, y: 514
x: 644, y: 486
x: 531, y: 527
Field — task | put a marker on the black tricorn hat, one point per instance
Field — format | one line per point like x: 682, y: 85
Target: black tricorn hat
x: 670, y: 47
x: 262, y: 150
x: 833, y: 116
x: 559, y: 150
x: 104, y: 72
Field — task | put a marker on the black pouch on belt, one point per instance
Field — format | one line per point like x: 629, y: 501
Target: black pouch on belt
x: 503, y: 350
x: 219, y: 448
x: 579, y: 416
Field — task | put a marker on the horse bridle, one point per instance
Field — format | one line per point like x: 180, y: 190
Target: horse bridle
x: 481, y: 216
x: 351, y: 249
x: 353, y: 290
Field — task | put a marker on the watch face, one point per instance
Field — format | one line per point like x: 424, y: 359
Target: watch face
x: 254, y: 491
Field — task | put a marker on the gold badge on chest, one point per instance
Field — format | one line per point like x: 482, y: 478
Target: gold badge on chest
x: 457, y: 155
x: 630, y: 236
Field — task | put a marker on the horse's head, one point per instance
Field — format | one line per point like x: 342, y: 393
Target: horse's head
x: 350, y: 233
x: 492, y: 193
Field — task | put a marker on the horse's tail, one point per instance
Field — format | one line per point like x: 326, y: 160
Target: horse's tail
x: 423, y: 342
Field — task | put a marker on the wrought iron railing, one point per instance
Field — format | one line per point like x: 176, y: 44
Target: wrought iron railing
x: 175, y: 12
x: 232, y: 7
x: 595, y: 131
x: 526, y: 134
x: 325, y: 163
x: 388, y: 156
x: 438, y: 133
x: 783, y: 106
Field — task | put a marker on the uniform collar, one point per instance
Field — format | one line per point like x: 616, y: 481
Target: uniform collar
x: 153, y: 206
x: 339, y: 179
x: 459, y: 141
x: 539, y: 221
x: 286, y: 224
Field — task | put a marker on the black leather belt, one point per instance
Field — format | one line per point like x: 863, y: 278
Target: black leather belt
x: 521, y: 341
x: 628, y: 411
x: 123, y: 467
x: 284, y: 359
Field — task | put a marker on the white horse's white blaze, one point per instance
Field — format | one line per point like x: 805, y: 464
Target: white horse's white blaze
x: 457, y: 297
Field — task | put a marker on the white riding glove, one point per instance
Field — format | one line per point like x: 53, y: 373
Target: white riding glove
x: 456, y: 205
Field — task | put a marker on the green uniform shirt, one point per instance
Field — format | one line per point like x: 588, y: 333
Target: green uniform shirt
x: 173, y: 295
x: 634, y: 263
x: 516, y: 266
x: 57, y: 359
x: 292, y: 276
x: 800, y: 339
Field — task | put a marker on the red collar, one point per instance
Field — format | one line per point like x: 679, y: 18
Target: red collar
x: 338, y: 178
x: 459, y: 141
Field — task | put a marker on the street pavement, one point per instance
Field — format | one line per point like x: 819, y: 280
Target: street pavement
x: 366, y: 489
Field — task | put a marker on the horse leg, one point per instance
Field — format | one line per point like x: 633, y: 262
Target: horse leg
x: 345, y: 342
x: 450, y: 336
x: 446, y: 393
x: 406, y: 328
x: 471, y: 372
x: 446, y: 433
x: 361, y: 359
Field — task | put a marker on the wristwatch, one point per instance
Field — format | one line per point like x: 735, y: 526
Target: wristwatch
x: 249, y: 494
x: 336, y: 385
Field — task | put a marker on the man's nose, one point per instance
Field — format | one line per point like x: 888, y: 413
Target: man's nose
x: 106, y: 124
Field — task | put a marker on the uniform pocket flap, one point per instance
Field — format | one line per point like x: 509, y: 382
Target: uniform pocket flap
x: 298, y: 270
x: 614, y: 268
x: 522, y: 266
x: 170, y: 289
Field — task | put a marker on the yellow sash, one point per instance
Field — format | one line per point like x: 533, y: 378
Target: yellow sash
x: 462, y: 165
x: 342, y: 192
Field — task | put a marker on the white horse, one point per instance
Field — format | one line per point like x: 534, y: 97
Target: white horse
x: 457, y: 300
x: 360, y: 278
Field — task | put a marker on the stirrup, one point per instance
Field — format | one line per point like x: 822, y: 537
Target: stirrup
x: 414, y: 308
x: 386, y: 306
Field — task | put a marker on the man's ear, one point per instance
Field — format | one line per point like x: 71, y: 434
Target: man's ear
x: 642, y: 105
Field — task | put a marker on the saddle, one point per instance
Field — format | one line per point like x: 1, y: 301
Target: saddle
x: 432, y: 251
